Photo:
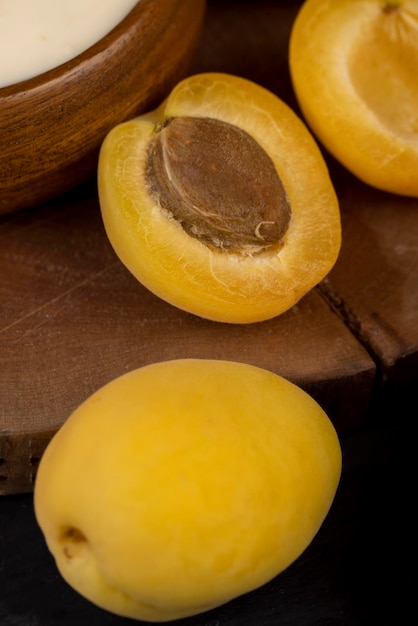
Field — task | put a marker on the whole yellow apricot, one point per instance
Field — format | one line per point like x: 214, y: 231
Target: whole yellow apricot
x: 353, y: 65
x: 183, y: 484
x: 219, y: 201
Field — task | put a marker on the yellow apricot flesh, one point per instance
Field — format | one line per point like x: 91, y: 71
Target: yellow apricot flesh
x: 222, y: 285
x: 183, y: 484
x: 354, y: 70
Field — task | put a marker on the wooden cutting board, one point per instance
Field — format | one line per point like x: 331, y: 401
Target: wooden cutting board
x: 72, y: 317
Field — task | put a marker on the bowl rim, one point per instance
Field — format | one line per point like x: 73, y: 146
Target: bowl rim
x: 131, y: 19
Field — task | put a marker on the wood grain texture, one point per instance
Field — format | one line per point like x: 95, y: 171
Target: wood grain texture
x: 374, y: 286
x: 72, y: 317
x: 51, y: 126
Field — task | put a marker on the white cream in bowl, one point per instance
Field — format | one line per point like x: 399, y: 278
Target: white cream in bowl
x: 38, y: 35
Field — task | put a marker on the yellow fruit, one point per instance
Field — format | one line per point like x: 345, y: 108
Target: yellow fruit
x: 184, y: 484
x: 219, y: 201
x: 354, y: 69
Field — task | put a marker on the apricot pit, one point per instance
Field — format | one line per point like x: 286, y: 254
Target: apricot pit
x: 236, y: 207
x: 220, y: 201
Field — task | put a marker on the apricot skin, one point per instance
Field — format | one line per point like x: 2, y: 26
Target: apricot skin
x: 216, y: 284
x: 353, y: 65
x: 184, y: 484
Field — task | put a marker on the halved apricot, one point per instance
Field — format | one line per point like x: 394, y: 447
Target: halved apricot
x: 354, y: 69
x: 220, y: 201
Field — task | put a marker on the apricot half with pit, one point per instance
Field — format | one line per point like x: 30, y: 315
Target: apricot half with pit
x: 183, y: 484
x: 354, y: 70
x: 220, y: 201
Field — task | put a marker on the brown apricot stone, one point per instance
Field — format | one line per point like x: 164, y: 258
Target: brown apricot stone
x: 218, y: 182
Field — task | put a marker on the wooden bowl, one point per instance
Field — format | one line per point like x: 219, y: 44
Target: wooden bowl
x: 52, y: 125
